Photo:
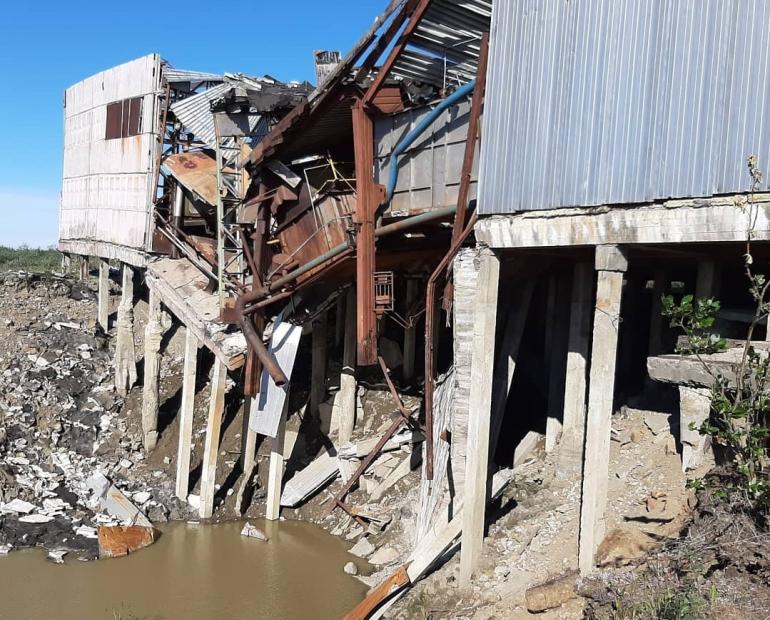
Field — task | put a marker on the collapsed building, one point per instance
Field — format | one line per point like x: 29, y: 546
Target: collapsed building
x: 529, y: 244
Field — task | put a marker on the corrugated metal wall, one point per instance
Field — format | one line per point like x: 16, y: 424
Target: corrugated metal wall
x: 594, y: 102
x: 107, y: 184
x: 429, y: 170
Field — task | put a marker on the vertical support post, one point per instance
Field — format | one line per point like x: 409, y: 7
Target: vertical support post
x: 339, y: 323
x: 186, y: 414
x: 275, y: 474
x: 347, y: 394
x: 211, y: 447
x: 125, y: 351
x: 366, y: 204
x: 482, y: 367
x: 410, y: 333
x: 83, y: 260
x: 579, y: 341
x: 556, y: 351
x: 706, y: 279
x: 153, y: 334
x: 318, y: 370
x: 660, y: 288
x: 103, y: 308
x: 611, y: 263
x: 248, y: 450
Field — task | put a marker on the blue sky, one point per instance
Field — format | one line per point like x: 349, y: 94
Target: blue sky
x: 48, y: 45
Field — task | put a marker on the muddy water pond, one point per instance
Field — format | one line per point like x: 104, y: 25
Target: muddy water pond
x: 193, y: 572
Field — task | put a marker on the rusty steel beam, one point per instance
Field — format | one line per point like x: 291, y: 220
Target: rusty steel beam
x: 382, y: 74
x: 477, y: 102
x: 366, y: 204
x: 430, y: 300
x: 385, y: 39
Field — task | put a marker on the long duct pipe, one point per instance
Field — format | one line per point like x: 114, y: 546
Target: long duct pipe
x: 241, y: 304
x: 421, y: 127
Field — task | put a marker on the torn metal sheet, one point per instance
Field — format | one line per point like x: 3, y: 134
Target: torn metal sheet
x: 283, y: 346
x: 196, y: 172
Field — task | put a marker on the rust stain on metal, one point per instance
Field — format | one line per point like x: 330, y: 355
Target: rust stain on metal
x: 117, y: 541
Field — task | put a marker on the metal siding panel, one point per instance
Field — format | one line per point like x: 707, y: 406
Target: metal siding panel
x: 623, y: 101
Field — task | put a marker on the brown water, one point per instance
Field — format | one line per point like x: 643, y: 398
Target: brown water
x: 191, y: 573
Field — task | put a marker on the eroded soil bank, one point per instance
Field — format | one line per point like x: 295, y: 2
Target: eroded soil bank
x: 193, y: 572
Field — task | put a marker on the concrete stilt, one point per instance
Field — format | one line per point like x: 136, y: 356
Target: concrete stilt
x: 346, y: 397
x: 125, y: 350
x: 103, y: 307
x: 556, y: 350
x: 579, y: 340
x: 482, y: 367
x: 83, y: 265
x: 410, y: 333
x: 707, y: 279
x: 211, y: 447
x: 660, y: 288
x: 153, y: 334
x: 611, y: 263
x: 318, y: 371
x: 186, y: 415
x: 248, y: 451
x: 275, y: 473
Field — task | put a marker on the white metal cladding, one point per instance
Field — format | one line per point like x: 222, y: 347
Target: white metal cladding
x: 107, y: 184
x: 593, y: 102
x: 429, y: 170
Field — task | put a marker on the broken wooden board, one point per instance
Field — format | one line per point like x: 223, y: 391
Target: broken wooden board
x: 182, y: 289
x: 117, y: 541
x: 306, y: 482
x: 361, y: 449
x: 283, y: 346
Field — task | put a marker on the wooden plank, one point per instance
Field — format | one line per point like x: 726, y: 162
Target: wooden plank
x: 186, y: 411
x: 103, y: 306
x: 306, y: 482
x: 211, y: 448
x: 482, y: 368
x: 601, y: 391
x: 346, y: 397
x: 410, y: 333
x: 248, y: 452
x: 283, y: 346
x: 275, y: 473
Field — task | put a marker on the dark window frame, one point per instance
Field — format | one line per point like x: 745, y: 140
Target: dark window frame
x: 124, y: 118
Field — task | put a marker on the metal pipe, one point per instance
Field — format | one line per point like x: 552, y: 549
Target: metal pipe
x: 243, y: 301
x: 421, y: 127
x: 430, y: 301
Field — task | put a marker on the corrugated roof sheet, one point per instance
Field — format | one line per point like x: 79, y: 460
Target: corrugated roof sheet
x: 623, y: 101
x: 444, y: 47
x: 181, y: 75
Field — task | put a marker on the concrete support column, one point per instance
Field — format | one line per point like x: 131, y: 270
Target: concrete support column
x: 186, y: 415
x: 694, y: 408
x: 482, y: 368
x: 213, y: 430
x: 275, y: 473
x: 346, y: 397
x: 125, y: 350
x: 579, y: 340
x: 83, y: 266
x: 556, y: 352
x: 657, y: 325
x: 103, y: 307
x: 153, y: 335
x: 318, y: 370
x: 611, y: 264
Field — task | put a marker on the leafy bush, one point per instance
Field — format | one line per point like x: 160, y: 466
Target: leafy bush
x: 25, y: 258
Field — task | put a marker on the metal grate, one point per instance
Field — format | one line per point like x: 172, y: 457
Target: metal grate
x: 383, y: 292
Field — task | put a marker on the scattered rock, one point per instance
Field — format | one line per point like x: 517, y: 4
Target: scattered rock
x: 351, y: 569
x: 252, y: 531
x: 362, y: 549
x: 384, y: 555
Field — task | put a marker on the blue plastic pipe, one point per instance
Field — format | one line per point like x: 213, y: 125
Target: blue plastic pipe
x: 423, y: 125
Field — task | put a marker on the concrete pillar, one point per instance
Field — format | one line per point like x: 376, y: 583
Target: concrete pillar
x: 579, y: 339
x: 211, y: 447
x: 707, y: 279
x: 186, y: 415
x: 657, y: 325
x: 125, y: 350
x: 103, y: 307
x: 556, y: 354
x: 83, y: 264
x: 694, y: 409
x: 153, y: 334
x: 248, y: 450
x: 346, y: 397
x: 410, y: 333
x: 477, y: 462
x: 275, y: 473
x: 318, y: 370
x: 611, y: 263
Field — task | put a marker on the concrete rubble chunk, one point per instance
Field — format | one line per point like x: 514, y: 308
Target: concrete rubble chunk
x: 251, y: 531
x: 17, y: 506
x: 552, y: 594
x: 57, y: 555
x: 384, y: 555
x: 35, y: 518
x: 362, y: 549
x: 112, y: 501
x: 350, y: 568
